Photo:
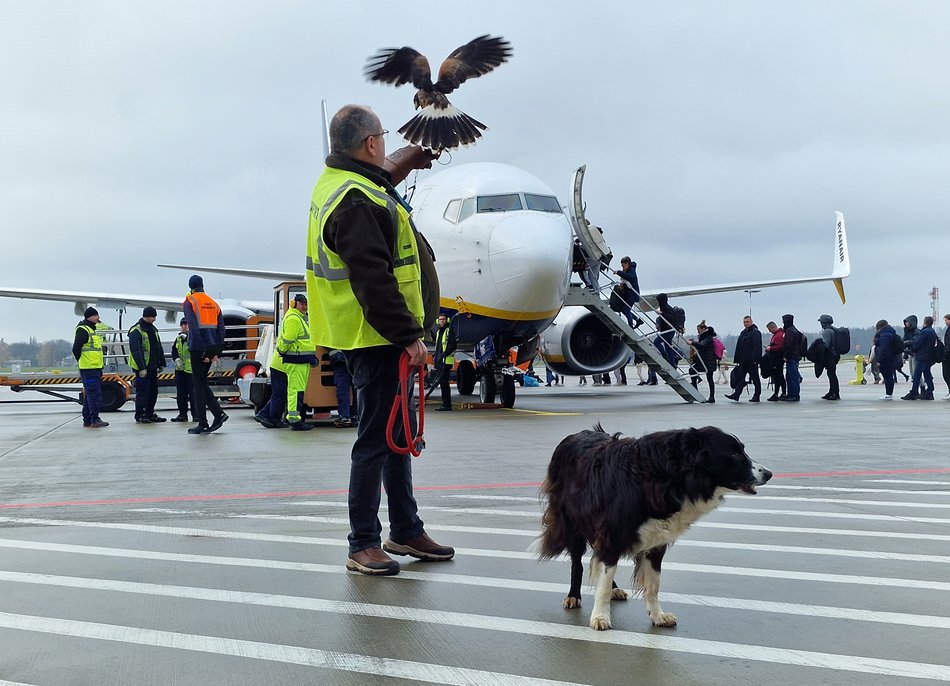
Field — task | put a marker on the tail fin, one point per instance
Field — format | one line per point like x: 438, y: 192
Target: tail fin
x: 326, y: 130
x: 842, y: 263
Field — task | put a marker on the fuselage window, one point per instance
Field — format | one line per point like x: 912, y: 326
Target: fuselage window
x: 542, y: 203
x: 452, y: 211
x: 468, y: 209
x: 499, y: 203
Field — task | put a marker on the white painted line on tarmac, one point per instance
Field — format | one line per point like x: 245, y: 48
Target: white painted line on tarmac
x: 510, y: 498
x: 844, y: 501
x: 533, y: 533
x: 756, y: 572
x: 837, y: 515
x: 842, y: 489
x: 272, y: 652
x: 909, y: 481
x: 478, y: 552
x: 12, y: 683
x: 748, y: 605
x: 431, y: 673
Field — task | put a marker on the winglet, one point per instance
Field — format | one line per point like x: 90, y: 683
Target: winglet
x: 326, y: 129
x: 842, y: 260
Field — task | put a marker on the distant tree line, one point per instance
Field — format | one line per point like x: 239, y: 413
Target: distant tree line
x: 45, y: 354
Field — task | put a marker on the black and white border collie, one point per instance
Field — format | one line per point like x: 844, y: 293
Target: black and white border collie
x: 633, y: 497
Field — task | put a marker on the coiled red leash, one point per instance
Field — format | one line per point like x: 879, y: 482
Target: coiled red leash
x: 401, y: 402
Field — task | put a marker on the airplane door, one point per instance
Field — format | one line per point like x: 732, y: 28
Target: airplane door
x: 591, y: 237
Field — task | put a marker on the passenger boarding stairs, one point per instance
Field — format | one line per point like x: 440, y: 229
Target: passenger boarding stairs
x: 639, y: 340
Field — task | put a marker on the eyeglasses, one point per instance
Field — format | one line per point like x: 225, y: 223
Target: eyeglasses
x: 375, y: 135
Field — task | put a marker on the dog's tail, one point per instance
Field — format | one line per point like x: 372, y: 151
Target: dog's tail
x: 553, y: 539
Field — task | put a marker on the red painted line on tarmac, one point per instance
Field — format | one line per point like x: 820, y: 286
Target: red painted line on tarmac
x: 447, y: 487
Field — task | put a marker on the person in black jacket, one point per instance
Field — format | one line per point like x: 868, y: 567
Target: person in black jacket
x: 946, y: 353
x: 444, y: 358
x: 747, y: 357
x: 792, y: 354
x: 831, y: 357
x: 147, y: 358
x: 706, y: 352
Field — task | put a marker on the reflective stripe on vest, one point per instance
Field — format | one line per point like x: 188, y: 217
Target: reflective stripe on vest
x: 90, y: 356
x: 205, y: 308
x: 146, y: 348
x: 336, y: 317
x: 181, y: 348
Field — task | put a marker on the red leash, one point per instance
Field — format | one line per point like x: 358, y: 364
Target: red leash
x: 401, y: 402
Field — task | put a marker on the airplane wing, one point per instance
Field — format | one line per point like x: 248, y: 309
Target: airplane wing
x: 249, y: 273
x: 840, y: 271
x: 123, y: 301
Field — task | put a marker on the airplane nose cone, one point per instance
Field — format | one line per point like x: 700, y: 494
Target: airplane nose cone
x: 529, y: 255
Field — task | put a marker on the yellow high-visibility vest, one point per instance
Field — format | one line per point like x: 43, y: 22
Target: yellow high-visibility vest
x: 336, y: 317
x: 90, y: 356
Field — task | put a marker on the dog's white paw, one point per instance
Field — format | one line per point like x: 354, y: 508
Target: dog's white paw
x: 571, y: 603
x: 664, y: 619
x: 619, y: 594
x: 600, y: 623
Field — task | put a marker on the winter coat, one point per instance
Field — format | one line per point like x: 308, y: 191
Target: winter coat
x: 630, y: 276
x: 828, y: 336
x: 884, y: 347
x: 749, y: 346
x: 156, y: 356
x: 922, y: 346
x: 912, y: 330
x: 793, y: 339
x: 705, y: 348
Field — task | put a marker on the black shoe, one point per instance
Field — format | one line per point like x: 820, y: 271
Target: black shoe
x: 444, y: 408
x: 733, y: 396
x: 143, y: 420
x: 298, y: 426
x: 927, y: 395
x: 789, y: 398
x: 195, y: 430
x: 833, y: 397
x: 711, y: 401
x: 772, y: 398
x: 98, y: 424
x: 157, y: 420
x: 909, y: 396
x: 180, y: 418
x: 218, y: 422
x: 264, y: 421
x: 754, y: 399
x: 343, y: 423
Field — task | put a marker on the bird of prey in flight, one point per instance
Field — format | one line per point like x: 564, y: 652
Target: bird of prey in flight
x: 439, y: 125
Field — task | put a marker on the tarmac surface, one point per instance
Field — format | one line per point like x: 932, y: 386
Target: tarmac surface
x: 138, y: 554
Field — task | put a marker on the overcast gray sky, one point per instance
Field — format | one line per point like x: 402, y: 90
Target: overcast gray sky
x: 720, y: 137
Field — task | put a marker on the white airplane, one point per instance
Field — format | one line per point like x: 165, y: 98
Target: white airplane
x: 503, y: 247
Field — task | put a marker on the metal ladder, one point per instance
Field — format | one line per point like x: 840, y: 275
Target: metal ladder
x: 639, y: 340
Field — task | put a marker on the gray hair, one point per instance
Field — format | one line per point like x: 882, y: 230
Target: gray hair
x: 350, y: 127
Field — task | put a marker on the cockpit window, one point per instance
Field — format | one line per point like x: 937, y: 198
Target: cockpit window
x: 499, y: 203
x: 542, y: 203
x: 468, y: 209
x: 452, y: 210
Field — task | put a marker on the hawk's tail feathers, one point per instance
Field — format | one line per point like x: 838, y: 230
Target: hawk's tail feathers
x: 442, y: 129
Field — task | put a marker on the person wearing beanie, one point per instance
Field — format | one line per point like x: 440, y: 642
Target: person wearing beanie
x: 88, y: 351
x: 831, y: 357
x: 184, y: 388
x: 205, y: 345
x: 792, y: 353
x: 147, y: 359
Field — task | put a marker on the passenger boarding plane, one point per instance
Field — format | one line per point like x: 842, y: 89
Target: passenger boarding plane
x: 503, y: 246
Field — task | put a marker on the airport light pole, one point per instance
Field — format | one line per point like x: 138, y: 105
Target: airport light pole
x: 750, y: 291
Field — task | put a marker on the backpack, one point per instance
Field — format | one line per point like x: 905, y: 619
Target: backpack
x: 719, y: 348
x: 938, y: 352
x: 842, y: 340
x: 803, y: 347
x: 678, y: 318
x: 897, y: 346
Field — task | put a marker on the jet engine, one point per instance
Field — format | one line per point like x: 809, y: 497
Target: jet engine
x: 578, y: 343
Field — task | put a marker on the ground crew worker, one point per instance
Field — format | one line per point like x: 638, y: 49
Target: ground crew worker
x: 375, y: 293
x: 184, y: 389
x: 87, y: 349
x: 147, y: 359
x: 205, y: 345
x: 445, y: 344
x: 295, y: 350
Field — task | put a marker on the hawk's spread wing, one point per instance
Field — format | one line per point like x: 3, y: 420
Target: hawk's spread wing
x: 475, y: 58
x: 398, y: 66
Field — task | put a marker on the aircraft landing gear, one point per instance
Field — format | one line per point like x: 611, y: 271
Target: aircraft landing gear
x: 487, y: 388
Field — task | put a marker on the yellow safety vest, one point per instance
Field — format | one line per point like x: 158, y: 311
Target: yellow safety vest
x: 181, y: 348
x: 146, y: 347
x: 336, y: 316
x: 440, y: 337
x: 90, y: 356
x: 294, y: 337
